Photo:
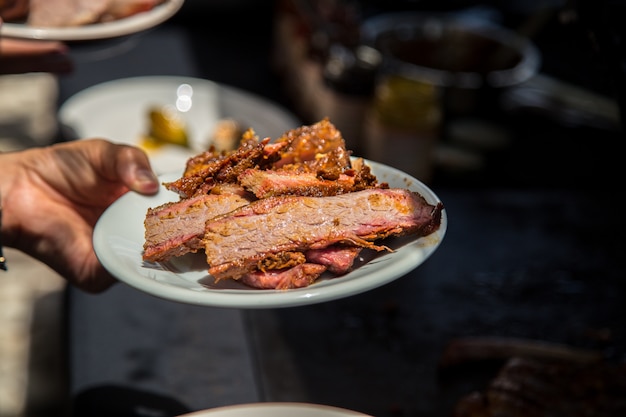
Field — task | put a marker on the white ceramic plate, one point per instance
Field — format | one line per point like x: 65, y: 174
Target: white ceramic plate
x: 119, y: 236
x: 118, y: 110
x: 276, y: 410
x: 97, y: 31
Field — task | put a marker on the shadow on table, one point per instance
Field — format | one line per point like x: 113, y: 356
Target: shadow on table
x: 119, y: 401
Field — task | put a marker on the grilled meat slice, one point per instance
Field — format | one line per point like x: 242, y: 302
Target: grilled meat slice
x: 317, y: 153
x: 120, y: 9
x: 64, y: 13
x: 235, y: 243
x: 264, y: 183
x: 318, y: 148
x: 174, y: 229
x: 70, y: 13
x: 210, y: 168
x: 297, y: 270
x: 338, y: 259
x: 298, y: 276
x: 270, y: 183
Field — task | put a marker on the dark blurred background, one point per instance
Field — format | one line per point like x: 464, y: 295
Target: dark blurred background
x: 562, y: 128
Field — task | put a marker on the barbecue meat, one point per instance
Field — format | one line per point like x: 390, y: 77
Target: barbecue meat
x: 337, y: 258
x: 71, y: 13
x: 287, y: 211
x: 119, y: 9
x: 288, y: 270
x: 64, y: 13
x: 174, y: 229
x: 210, y: 168
x: 536, y: 388
x: 299, y: 276
x: 270, y: 183
x: 235, y: 243
x: 316, y: 152
x: 318, y: 148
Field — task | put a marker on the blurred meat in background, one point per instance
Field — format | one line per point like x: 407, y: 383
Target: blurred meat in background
x: 70, y: 13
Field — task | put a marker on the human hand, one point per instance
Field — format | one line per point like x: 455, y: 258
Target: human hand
x: 53, y: 196
x: 14, y: 9
x: 19, y: 56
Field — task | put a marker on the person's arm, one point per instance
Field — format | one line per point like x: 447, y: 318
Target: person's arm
x: 51, y: 198
x: 19, y: 56
x: 3, y: 261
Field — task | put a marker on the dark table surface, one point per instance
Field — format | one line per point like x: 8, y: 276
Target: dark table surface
x: 534, y: 250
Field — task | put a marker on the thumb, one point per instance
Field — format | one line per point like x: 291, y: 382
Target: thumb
x: 133, y: 168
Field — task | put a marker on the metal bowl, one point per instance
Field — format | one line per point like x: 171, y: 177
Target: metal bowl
x: 449, y: 50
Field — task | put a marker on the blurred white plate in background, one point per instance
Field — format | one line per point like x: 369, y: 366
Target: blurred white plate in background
x: 118, y: 110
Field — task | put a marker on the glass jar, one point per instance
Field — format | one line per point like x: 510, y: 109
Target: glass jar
x: 349, y: 80
x: 404, y: 124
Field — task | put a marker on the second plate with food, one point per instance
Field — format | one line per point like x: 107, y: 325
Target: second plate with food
x: 98, y: 31
x: 119, y: 111
x: 119, y: 236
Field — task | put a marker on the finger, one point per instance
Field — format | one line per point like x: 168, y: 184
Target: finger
x: 19, y: 56
x: 117, y: 163
x: 13, y: 10
x: 53, y: 63
x: 76, y: 259
x: 133, y: 168
x: 101, y: 281
x: 19, y: 47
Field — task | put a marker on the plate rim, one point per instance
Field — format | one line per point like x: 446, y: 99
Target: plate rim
x: 71, y: 101
x: 97, y: 31
x: 312, y: 294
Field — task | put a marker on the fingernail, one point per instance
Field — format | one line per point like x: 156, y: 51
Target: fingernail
x: 146, y: 180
